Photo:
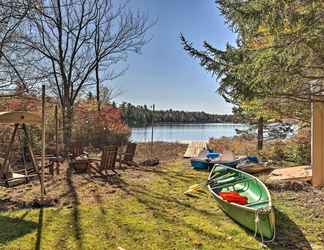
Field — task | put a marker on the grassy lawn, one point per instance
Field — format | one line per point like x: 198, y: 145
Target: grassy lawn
x: 150, y: 212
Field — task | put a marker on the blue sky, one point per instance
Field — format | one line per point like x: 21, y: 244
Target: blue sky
x: 164, y: 74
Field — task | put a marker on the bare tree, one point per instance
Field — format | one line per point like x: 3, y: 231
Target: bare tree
x: 78, y: 40
x: 13, y: 14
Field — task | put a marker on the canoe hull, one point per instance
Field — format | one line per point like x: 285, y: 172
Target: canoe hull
x: 246, y: 218
x: 245, y: 215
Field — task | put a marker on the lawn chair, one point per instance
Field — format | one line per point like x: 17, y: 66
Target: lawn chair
x: 128, y: 157
x: 76, y: 150
x: 106, y: 163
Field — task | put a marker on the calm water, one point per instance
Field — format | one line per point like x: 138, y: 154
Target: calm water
x: 186, y: 132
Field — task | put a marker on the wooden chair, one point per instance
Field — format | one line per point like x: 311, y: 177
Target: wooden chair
x: 128, y: 157
x: 106, y: 163
x: 76, y: 150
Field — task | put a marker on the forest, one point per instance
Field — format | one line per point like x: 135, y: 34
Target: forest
x: 142, y: 116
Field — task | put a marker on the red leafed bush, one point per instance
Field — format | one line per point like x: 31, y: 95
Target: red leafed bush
x: 99, y: 127
x: 89, y: 126
x: 27, y: 103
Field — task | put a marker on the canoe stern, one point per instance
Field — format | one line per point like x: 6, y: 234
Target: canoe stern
x: 247, y: 218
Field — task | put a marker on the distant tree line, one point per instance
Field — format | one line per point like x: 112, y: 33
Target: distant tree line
x: 142, y: 115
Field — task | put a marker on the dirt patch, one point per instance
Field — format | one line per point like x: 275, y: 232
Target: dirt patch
x: 70, y: 188
x: 310, y: 198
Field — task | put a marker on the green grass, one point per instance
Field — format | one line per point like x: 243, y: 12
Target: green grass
x: 146, y: 214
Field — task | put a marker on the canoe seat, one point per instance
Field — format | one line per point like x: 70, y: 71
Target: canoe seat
x: 231, y: 182
x: 256, y: 203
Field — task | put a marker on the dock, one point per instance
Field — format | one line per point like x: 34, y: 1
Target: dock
x: 299, y: 173
x: 195, y: 148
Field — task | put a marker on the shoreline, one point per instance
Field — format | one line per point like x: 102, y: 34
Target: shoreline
x: 187, y: 123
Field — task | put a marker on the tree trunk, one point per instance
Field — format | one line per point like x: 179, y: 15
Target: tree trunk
x: 98, y: 89
x: 67, y: 127
x: 260, y: 133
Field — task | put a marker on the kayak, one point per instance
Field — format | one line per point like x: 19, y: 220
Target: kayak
x: 257, y: 214
x: 206, y: 164
x: 200, y: 164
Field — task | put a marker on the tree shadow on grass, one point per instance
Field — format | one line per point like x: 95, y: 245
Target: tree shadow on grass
x: 158, y: 204
x: 77, y: 230
x: 165, y: 173
x: 14, y: 228
x: 39, y: 229
x: 288, y: 234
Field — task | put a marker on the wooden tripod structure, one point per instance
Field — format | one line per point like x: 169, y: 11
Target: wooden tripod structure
x: 19, y: 119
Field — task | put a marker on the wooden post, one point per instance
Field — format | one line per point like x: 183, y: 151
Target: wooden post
x: 56, y: 142
x: 30, y: 148
x: 152, y: 133
x: 5, y: 168
x: 43, y: 143
x: 318, y: 143
x: 260, y: 133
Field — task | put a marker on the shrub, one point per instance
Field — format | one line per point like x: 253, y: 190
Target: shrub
x: 299, y: 148
x: 98, y: 128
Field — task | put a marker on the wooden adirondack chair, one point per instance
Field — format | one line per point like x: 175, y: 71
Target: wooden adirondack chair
x: 76, y: 150
x: 106, y: 163
x: 128, y: 157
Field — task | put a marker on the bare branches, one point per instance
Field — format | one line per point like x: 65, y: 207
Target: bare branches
x: 12, y: 17
x: 80, y: 40
x: 78, y: 43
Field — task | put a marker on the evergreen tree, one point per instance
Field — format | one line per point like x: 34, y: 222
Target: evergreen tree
x: 277, y: 60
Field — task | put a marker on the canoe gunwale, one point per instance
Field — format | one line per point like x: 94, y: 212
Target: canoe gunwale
x: 251, y: 209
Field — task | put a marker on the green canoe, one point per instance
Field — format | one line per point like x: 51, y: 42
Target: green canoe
x: 258, y: 214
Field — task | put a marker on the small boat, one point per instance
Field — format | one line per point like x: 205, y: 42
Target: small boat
x: 231, y: 164
x: 257, y: 214
x: 252, y: 165
x: 213, y: 155
x: 206, y: 160
x: 254, y: 168
x: 205, y: 164
x: 237, y: 162
x: 200, y: 164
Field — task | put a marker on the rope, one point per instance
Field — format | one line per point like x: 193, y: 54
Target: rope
x: 258, y: 212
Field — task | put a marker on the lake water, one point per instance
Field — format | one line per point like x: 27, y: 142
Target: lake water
x: 177, y: 132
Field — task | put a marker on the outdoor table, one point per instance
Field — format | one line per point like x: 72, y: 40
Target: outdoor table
x: 80, y: 165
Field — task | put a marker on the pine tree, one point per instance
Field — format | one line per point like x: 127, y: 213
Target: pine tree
x: 278, y: 58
